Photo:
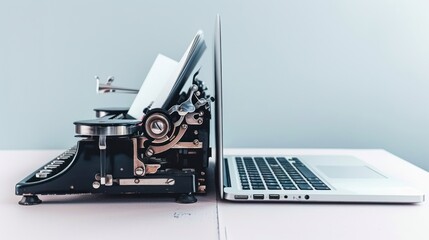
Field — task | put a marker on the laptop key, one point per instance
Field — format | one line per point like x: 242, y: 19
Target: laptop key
x: 313, y: 179
x: 273, y: 186
x: 288, y: 185
x: 257, y: 184
x: 300, y: 182
x: 322, y: 188
x: 304, y: 187
x: 318, y: 185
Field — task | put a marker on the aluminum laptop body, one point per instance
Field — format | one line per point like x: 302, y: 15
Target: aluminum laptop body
x: 336, y: 178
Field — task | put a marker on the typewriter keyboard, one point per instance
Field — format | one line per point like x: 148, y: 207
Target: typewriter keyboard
x: 261, y: 173
x: 57, y: 164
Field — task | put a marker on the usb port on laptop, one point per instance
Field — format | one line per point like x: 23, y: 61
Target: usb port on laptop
x: 258, y: 196
x: 241, y: 196
x: 274, y: 196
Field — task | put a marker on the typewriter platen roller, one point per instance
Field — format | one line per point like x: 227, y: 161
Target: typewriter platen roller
x: 166, y: 152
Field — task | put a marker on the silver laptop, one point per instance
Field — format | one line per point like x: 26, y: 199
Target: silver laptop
x: 319, y: 178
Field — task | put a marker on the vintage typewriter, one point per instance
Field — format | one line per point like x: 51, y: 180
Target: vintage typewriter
x: 163, y: 150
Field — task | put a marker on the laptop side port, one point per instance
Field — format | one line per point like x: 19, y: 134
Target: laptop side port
x: 258, y: 196
x: 241, y: 197
x: 274, y: 196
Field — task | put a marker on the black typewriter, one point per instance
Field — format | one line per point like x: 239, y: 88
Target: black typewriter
x: 165, y: 152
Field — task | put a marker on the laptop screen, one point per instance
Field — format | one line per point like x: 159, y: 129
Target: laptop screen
x: 218, y: 105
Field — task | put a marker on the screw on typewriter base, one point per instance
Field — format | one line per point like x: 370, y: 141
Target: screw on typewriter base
x: 186, y: 198
x: 28, y: 200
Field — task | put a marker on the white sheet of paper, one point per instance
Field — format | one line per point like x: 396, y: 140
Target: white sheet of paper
x: 158, y: 78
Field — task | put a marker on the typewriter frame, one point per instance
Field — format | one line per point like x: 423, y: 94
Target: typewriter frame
x: 167, y: 152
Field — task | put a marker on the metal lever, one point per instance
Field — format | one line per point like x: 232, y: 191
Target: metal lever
x: 107, y: 87
x: 186, y: 106
x: 103, y: 161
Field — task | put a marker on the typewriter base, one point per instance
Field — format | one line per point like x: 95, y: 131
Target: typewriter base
x: 28, y: 200
x: 180, y: 194
x: 80, y: 167
x: 186, y: 198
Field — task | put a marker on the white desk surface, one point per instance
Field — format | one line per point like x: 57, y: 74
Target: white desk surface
x: 128, y: 217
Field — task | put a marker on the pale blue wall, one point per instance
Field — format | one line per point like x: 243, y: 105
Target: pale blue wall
x: 337, y: 74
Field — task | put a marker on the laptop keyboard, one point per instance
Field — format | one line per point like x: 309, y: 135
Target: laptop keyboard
x: 276, y: 173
